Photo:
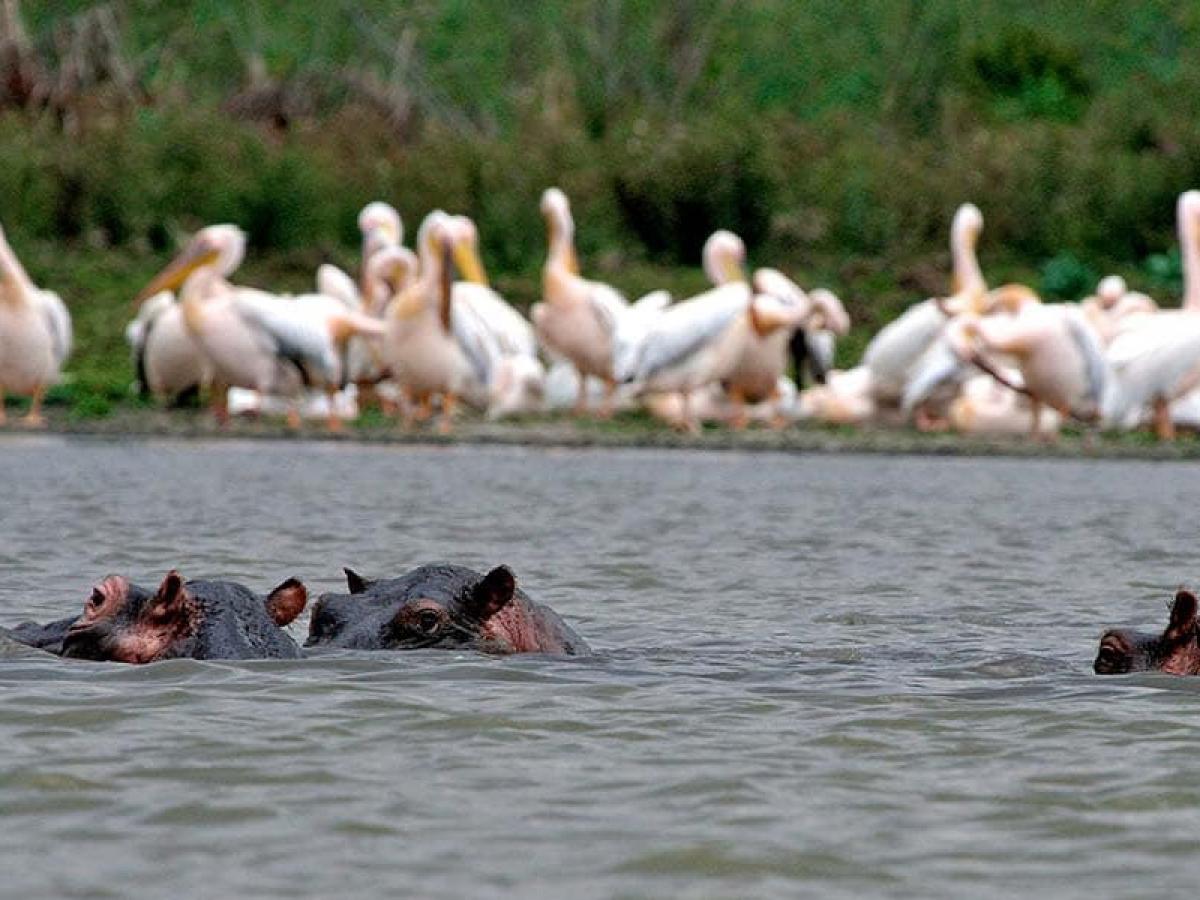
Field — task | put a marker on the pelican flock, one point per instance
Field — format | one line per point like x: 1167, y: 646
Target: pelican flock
x: 422, y: 331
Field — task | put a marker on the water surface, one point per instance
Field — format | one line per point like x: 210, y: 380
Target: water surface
x: 815, y: 676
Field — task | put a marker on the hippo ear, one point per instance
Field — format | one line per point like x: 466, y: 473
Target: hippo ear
x: 491, y: 594
x: 171, y: 595
x: 355, y: 582
x: 1183, y: 614
x: 286, y: 602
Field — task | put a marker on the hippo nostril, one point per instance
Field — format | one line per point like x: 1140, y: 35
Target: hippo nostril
x: 97, y: 598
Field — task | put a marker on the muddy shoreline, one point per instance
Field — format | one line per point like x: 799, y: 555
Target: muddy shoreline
x: 622, y: 432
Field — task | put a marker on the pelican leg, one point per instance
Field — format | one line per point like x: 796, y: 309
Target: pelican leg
x: 335, y: 421
x: 3, y: 414
x: 220, y: 402
x: 293, y: 415
x: 687, y: 422
x: 778, y: 420
x: 34, y: 419
x: 449, y: 403
x: 739, y: 420
x: 609, y: 405
x: 1164, y: 427
x: 425, y: 408
x: 581, y: 400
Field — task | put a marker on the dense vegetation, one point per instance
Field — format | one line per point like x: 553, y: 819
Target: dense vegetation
x: 836, y: 137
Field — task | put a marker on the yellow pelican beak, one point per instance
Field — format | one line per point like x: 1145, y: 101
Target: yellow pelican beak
x: 733, y: 270
x: 468, y: 262
x: 195, y: 257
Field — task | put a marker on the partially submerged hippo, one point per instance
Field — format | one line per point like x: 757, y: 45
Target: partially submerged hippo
x: 1175, y: 651
x: 441, y: 605
x: 123, y: 622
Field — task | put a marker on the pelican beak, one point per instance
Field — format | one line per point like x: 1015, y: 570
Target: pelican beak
x: 768, y: 320
x: 468, y: 263
x: 196, y: 256
x: 733, y: 270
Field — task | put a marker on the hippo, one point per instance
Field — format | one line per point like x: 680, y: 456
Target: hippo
x: 1175, y: 651
x: 122, y: 622
x: 48, y: 637
x: 441, y: 605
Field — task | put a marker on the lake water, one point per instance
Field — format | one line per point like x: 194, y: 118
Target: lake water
x: 815, y: 676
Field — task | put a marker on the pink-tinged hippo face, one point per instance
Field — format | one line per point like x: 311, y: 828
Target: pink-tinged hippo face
x: 1175, y: 651
x: 126, y: 623
x: 440, y: 605
x: 122, y: 622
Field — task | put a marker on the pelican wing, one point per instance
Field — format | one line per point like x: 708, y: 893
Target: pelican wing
x: 938, y: 367
x: 606, y: 304
x: 296, y: 333
x: 1084, y: 336
x: 900, y: 343
x: 58, y: 321
x: 475, y: 339
x: 682, y: 330
x: 512, y: 334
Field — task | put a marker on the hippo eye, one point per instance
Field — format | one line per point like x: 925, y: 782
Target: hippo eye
x: 429, y: 621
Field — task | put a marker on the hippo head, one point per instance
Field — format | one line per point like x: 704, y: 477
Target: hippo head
x: 435, y: 605
x: 122, y: 622
x: 126, y: 623
x: 1175, y: 651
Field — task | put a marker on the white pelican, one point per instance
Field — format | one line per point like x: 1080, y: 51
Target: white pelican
x: 577, y: 317
x: 1155, y: 357
x: 167, y: 360
x: 420, y: 347
x: 896, y: 350
x: 1057, y: 352
x: 756, y: 376
x: 689, y: 345
x: 35, y: 336
x: 252, y: 339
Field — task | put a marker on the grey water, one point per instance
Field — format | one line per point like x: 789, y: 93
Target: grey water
x: 815, y: 676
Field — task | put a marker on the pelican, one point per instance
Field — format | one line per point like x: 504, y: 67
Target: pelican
x: 253, y: 339
x: 577, y: 317
x: 1155, y: 357
x: 420, y: 346
x: 896, y: 350
x: 756, y: 376
x: 167, y: 360
x: 1057, y: 352
x: 35, y: 336
x: 689, y: 345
